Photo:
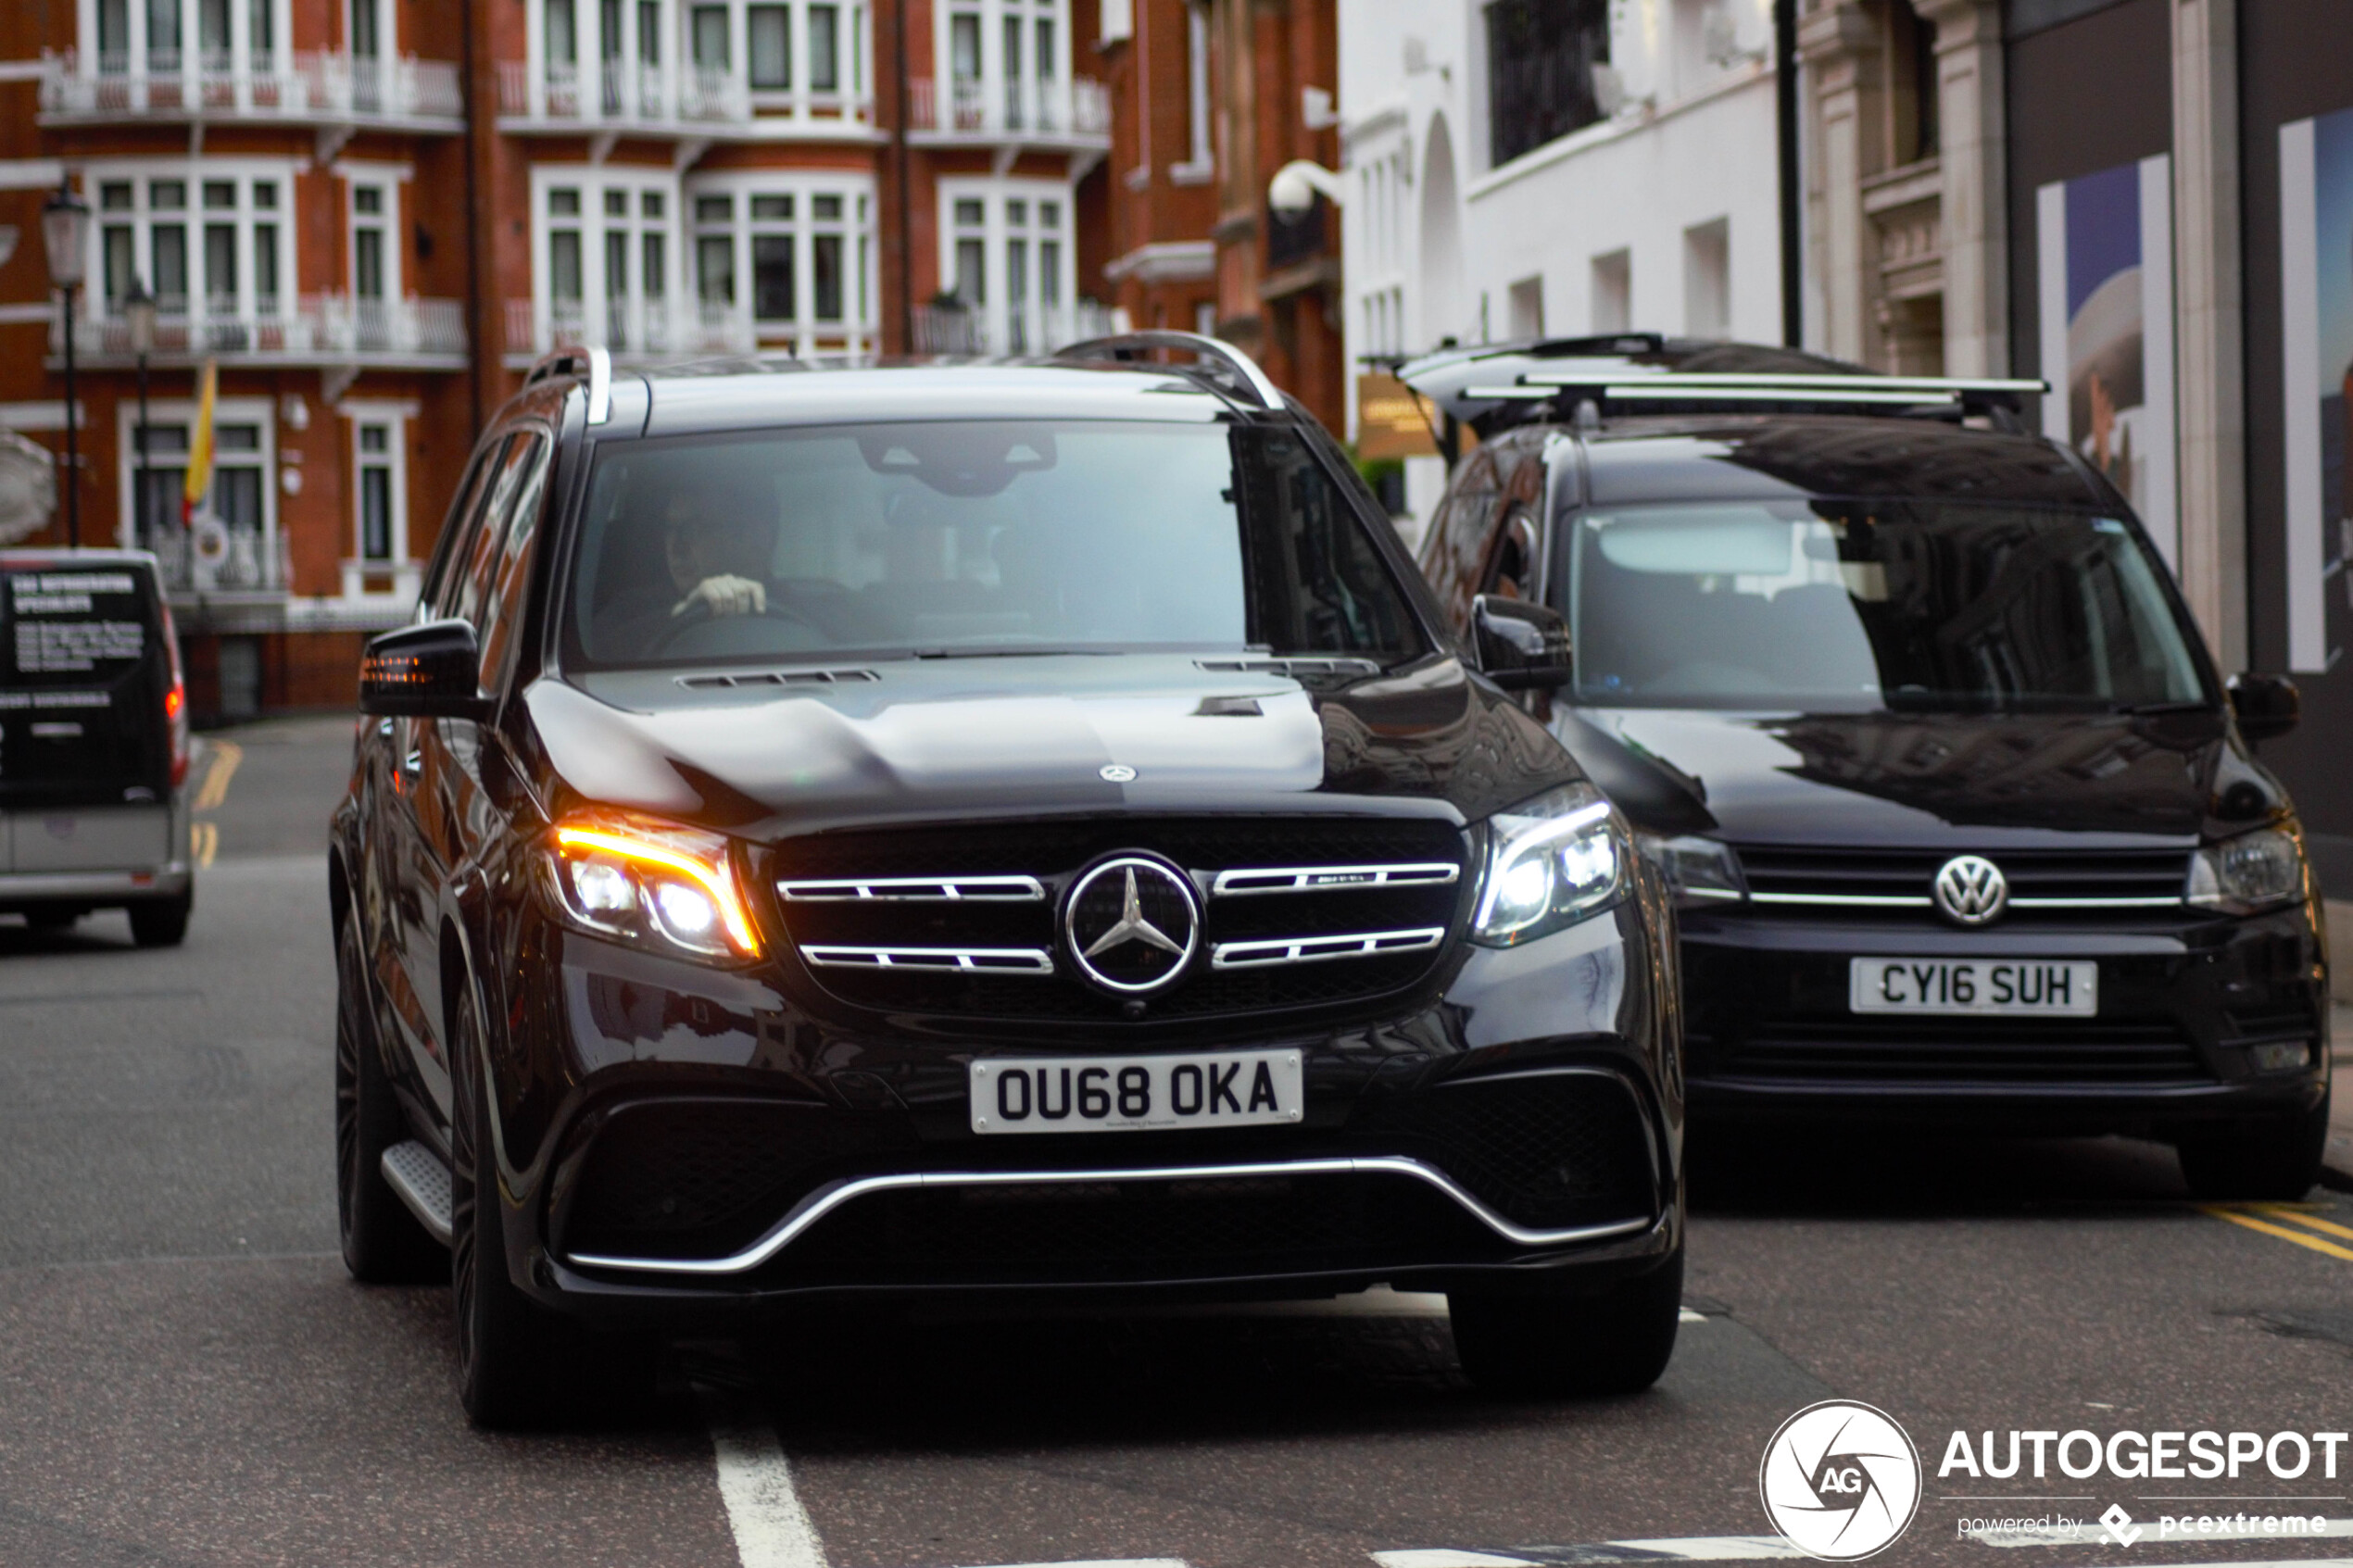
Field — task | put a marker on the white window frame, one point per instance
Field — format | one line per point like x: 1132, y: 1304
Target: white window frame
x: 242, y: 64
x: 1041, y: 102
x: 1045, y: 328
x: 166, y: 411
x: 856, y: 334
x: 394, y: 415
x: 673, y: 89
x: 193, y: 174
x: 645, y: 328
x: 390, y: 181
x: 1201, y: 161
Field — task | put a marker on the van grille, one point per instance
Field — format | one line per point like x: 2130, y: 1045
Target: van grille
x: 963, y: 921
x: 1924, y: 1051
x: 2043, y: 883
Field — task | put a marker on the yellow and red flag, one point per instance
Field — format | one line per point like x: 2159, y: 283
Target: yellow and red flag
x: 199, y: 477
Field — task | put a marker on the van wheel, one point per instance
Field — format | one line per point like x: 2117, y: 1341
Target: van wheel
x: 162, y: 922
x: 1615, y: 1342
x: 2279, y: 1161
x: 508, y: 1346
x: 382, y: 1243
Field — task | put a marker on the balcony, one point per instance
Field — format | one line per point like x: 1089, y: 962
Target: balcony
x: 619, y: 97
x: 320, y: 88
x: 643, y: 333
x: 960, y: 331
x: 1072, y: 117
x: 324, y: 330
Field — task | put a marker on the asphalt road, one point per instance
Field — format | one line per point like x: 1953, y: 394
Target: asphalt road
x: 186, y: 1376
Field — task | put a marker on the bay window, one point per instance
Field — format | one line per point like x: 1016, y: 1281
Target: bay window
x: 211, y: 249
x: 1006, y: 248
x: 604, y: 241
x: 803, y: 244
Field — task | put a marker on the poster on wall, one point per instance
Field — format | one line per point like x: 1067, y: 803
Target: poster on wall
x: 2103, y: 245
x: 2316, y: 325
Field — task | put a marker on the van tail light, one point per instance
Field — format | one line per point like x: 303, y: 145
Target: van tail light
x: 175, y: 703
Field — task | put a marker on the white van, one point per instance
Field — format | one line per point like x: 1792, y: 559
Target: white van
x: 94, y: 743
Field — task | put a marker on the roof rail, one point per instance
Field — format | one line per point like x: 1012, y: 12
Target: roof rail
x: 595, y: 364
x: 1220, y: 361
x: 1640, y: 392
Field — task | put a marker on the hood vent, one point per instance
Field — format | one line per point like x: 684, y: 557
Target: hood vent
x: 776, y: 678
x: 1292, y: 667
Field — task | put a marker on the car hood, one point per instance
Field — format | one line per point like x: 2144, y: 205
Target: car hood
x: 926, y: 739
x: 1926, y: 780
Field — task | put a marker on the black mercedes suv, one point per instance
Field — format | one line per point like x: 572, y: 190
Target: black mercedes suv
x: 1963, y: 825
x: 997, y: 830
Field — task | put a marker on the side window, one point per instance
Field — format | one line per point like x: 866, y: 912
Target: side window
x: 502, y: 605
x: 453, y: 527
x: 471, y: 572
x: 1512, y: 561
x: 1457, y: 545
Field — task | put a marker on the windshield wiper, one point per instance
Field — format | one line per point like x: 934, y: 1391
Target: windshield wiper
x: 2151, y: 709
x: 1014, y: 652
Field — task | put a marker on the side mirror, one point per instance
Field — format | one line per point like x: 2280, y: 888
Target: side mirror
x: 2266, y: 706
x: 425, y: 671
x: 1520, y: 646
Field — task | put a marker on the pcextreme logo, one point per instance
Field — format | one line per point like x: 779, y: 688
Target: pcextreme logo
x: 1840, y: 1480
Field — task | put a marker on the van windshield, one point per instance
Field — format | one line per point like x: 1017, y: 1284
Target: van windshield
x: 965, y: 537
x: 1839, y: 605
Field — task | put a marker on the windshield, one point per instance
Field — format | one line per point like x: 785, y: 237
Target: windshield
x: 1860, y: 605
x: 971, y: 537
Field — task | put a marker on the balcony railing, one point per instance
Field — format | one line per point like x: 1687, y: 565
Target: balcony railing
x: 685, y: 99
x: 634, y: 329
x: 314, y: 87
x: 254, y: 562
x: 317, y: 329
x: 958, y: 330
x: 1064, y: 113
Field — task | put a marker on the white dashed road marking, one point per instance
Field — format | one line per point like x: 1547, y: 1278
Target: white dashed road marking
x: 771, y: 1527
x: 1676, y: 1548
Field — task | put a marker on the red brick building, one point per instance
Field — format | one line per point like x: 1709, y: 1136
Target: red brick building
x: 374, y: 215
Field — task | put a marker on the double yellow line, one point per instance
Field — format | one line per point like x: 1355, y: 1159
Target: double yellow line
x: 2298, y: 1222
x: 204, y: 838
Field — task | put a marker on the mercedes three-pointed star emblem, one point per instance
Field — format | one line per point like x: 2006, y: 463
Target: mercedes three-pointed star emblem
x: 1133, y: 923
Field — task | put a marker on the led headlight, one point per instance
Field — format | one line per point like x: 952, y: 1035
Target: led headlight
x: 1551, y: 861
x: 654, y: 884
x: 2245, y: 875
x: 1698, y: 871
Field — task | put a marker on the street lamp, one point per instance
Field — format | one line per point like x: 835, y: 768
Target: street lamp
x: 65, y: 232
x: 139, y: 311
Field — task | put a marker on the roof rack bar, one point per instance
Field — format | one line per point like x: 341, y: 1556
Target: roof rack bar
x: 1888, y: 384
x: 600, y: 386
x: 1638, y: 393
x: 1127, y: 346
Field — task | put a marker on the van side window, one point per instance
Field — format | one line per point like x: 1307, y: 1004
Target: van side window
x: 1456, y: 548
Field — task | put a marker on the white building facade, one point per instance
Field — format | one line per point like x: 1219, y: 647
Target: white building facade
x: 1518, y: 168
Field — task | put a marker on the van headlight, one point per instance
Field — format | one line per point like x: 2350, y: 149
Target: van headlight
x: 2245, y: 875
x: 1698, y: 871
x: 1549, y: 863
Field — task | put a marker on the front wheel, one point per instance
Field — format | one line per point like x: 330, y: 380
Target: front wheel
x: 1615, y: 1341
x: 2277, y: 1161
x: 382, y: 1243
x: 507, y: 1346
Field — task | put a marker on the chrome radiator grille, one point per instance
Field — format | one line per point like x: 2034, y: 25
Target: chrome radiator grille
x: 1297, y: 912
x: 2048, y: 884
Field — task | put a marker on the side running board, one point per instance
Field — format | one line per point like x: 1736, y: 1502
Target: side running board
x: 417, y: 1173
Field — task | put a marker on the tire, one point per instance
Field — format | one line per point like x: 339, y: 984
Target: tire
x: 50, y: 918
x: 2279, y: 1161
x: 162, y: 922
x: 382, y: 1243
x: 1554, y: 1345
x: 509, y: 1347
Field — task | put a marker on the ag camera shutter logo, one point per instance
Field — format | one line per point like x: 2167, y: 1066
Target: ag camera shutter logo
x: 1840, y: 1480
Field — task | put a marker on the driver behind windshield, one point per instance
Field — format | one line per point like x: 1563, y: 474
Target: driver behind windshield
x: 717, y: 545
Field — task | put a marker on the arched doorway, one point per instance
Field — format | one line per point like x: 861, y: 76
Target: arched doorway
x: 1442, y: 315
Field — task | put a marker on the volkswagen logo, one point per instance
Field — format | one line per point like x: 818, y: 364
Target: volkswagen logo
x: 1133, y: 923
x: 1971, y: 890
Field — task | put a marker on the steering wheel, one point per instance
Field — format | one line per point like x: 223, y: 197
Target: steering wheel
x: 701, y: 614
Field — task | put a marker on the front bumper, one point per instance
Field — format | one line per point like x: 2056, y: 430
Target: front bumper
x: 2195, y: 1014
x: 719, y: 1147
